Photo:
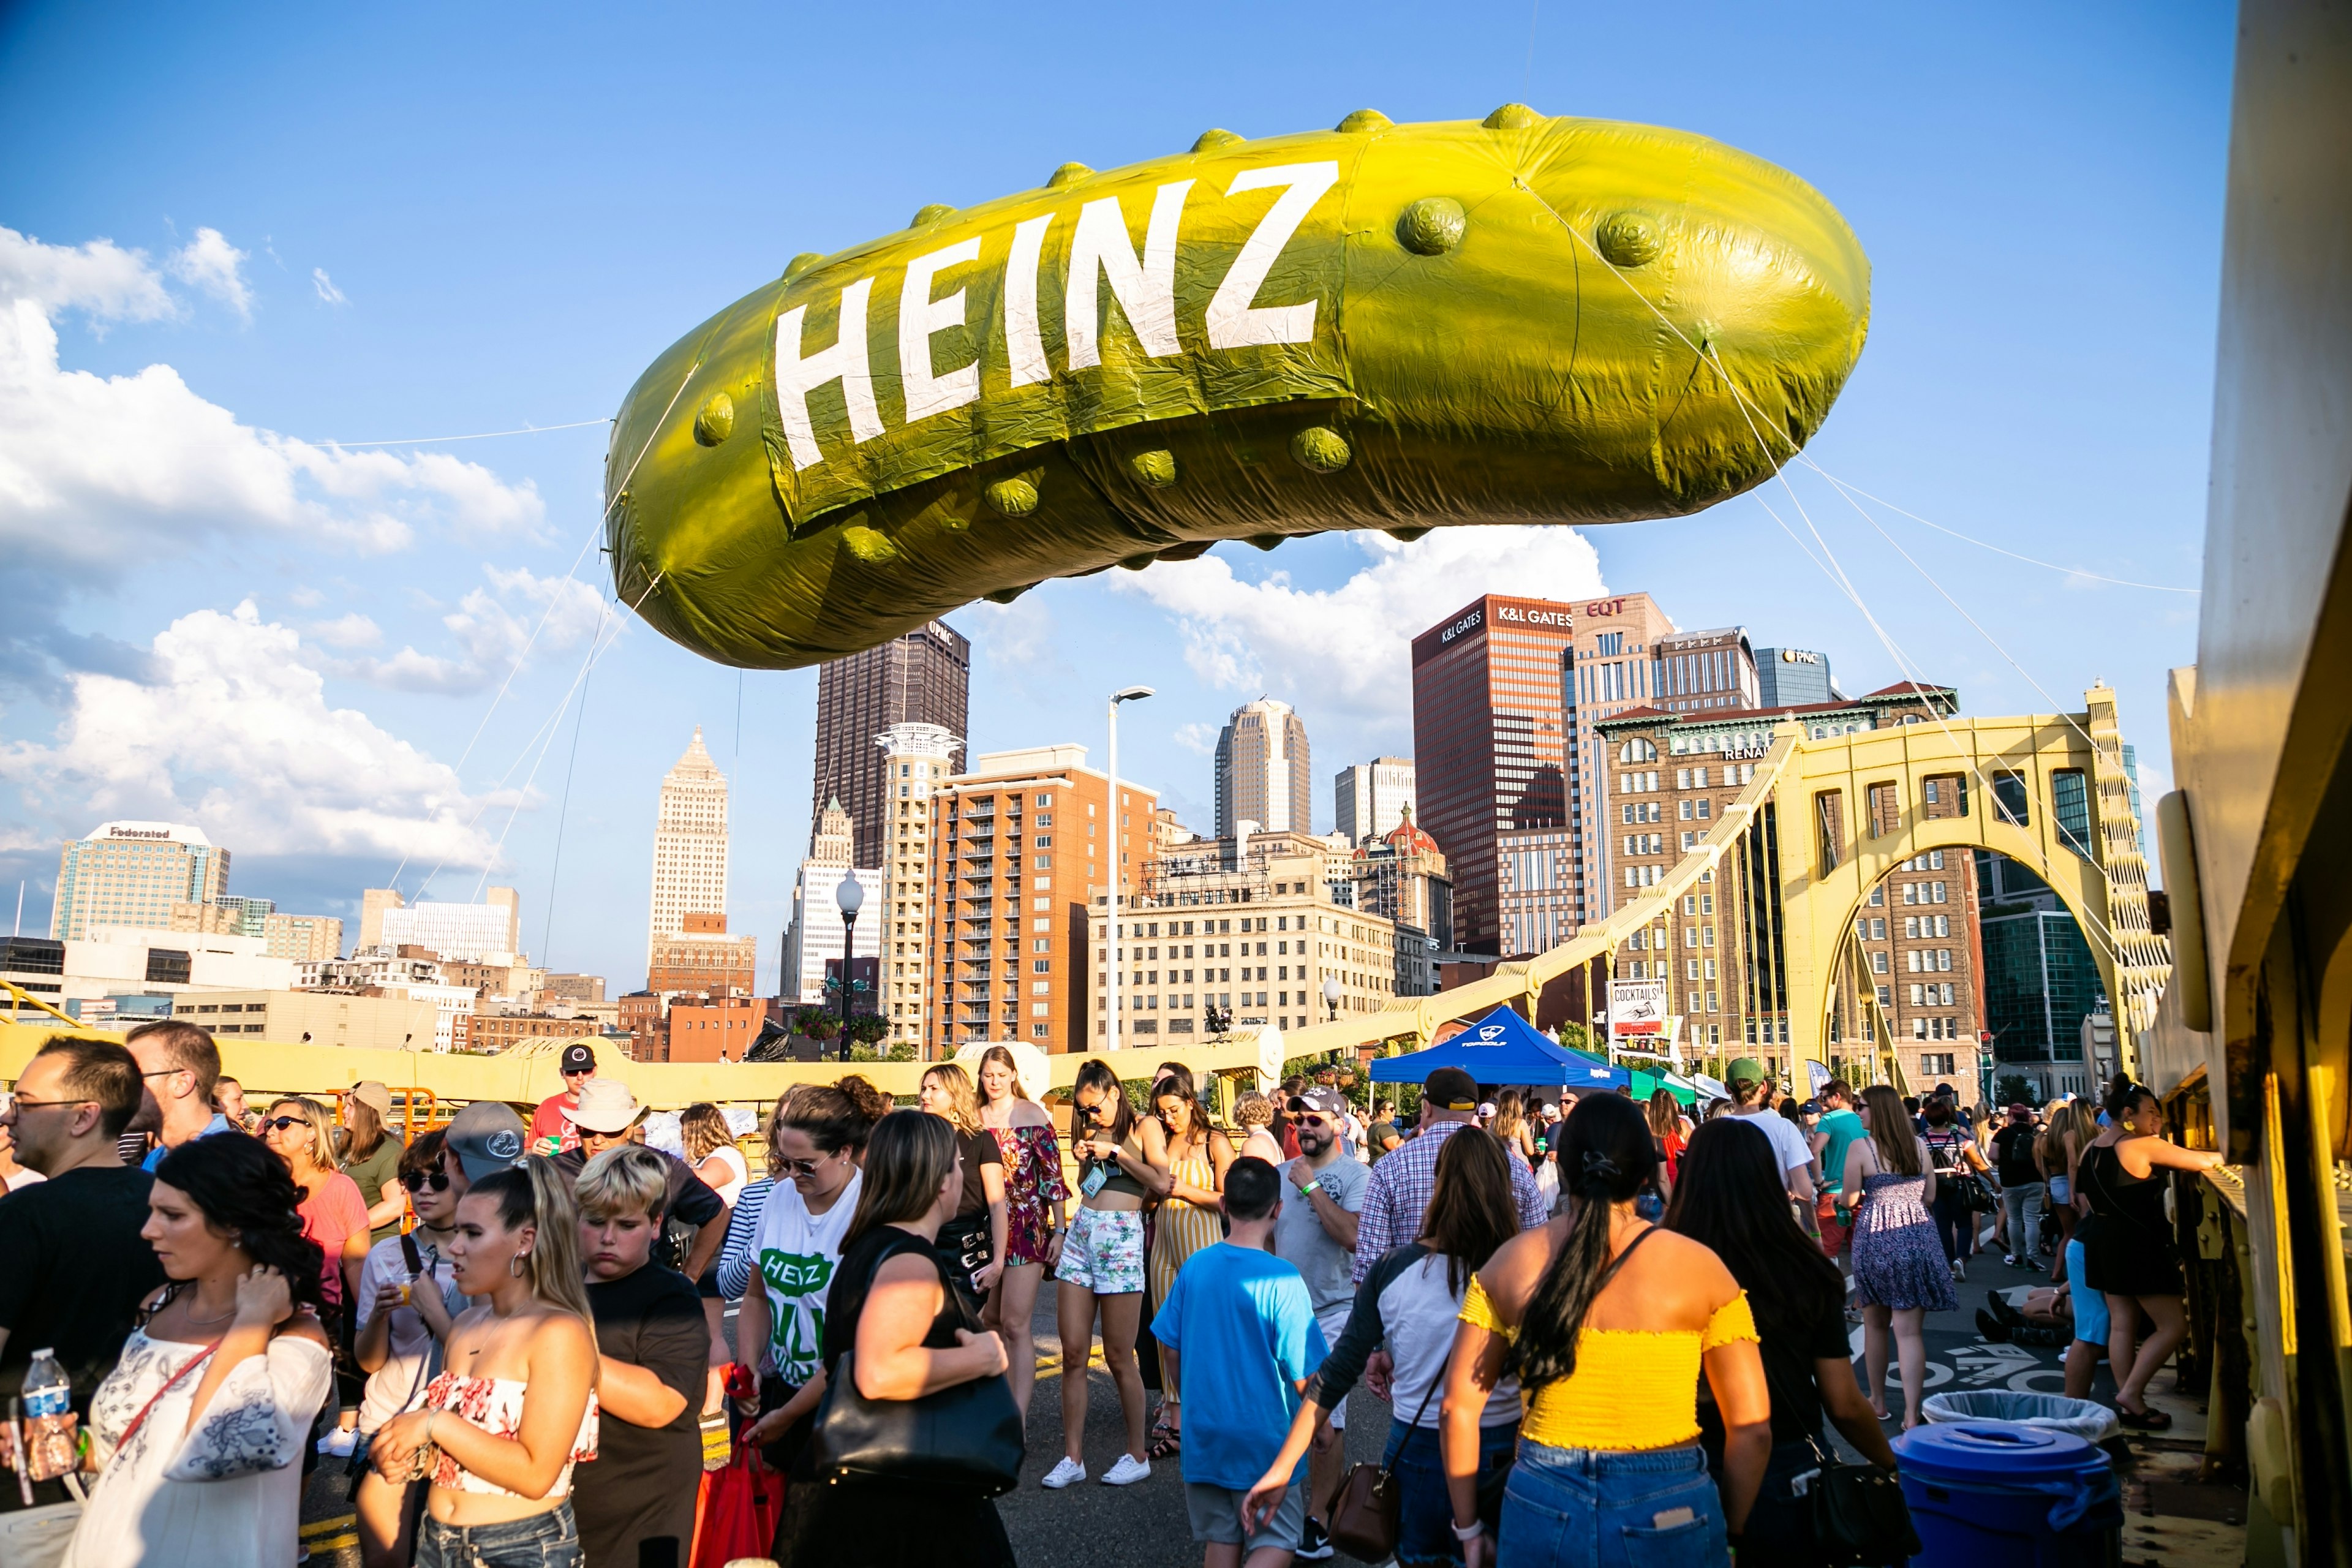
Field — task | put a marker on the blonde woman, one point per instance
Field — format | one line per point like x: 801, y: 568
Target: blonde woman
x: 1254, y: 1113
x: 501, y: 1430
x: 972, y: 1243
x: 1032, y: 1157
x: 710, y: 1146
x: 301, y: 1132
x: 1510, y: 1125
x: 1192, y: 1216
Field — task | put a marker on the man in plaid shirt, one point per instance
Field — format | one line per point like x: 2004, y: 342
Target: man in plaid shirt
x: 1399, y: 1194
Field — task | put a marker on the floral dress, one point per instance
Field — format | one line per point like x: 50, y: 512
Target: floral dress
x: 1032, y: 1182
x: 1897, y: 1261
x: 230, y: 1490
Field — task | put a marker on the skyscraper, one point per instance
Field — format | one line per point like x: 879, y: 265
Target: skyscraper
x: 1489, y: 741
x: 922, y: 678
x: 1627, y: 655
x: 130, y: 873
x: 919, y: 758
x: 1264, y: 772
x: 1369, y: 799
x: 689, y: 845
x: 1793, y: 678
x: 815, y: 938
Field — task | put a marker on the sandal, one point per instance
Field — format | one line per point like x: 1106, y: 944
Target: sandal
x: 2144, y: 1420
x: 1166, y: 1442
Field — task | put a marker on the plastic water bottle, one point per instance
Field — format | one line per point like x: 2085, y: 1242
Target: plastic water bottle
x: 48, y: 1416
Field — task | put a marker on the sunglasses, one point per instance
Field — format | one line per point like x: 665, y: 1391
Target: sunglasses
x: 282, y: 1123
x: 800, y: 1167
x: 417, y: 1181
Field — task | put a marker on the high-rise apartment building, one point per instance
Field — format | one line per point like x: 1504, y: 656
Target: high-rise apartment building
x: 689, y: 844
x: 1912, y: 968
x: 1263, y: 771
x: 813, y: 939
x: 703, y: 958
x: 919, y: 758
x: 1794, y: 678
x: 1247, y: 926
x: 1026, y: 842
x: 921, y: 678
x: 1490, y: 741
x: 1369, y: 799
x: 130, y: 874
x: 2041, y: 981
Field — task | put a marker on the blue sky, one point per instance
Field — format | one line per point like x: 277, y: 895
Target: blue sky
x: 224, y: 228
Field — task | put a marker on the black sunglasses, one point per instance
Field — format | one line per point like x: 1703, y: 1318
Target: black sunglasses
x: 416, y: 1180
x: 283, y: 1122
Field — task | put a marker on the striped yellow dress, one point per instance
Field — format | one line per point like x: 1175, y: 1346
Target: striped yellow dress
x: 1183, y: 1228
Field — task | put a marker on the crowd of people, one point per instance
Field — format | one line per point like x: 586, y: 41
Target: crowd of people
x: 1599, y: 1324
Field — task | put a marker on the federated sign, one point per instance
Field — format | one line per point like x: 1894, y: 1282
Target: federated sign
x: 1523, y: 319
x: 1637, y: 1011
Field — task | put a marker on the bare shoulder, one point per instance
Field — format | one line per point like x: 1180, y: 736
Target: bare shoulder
x: 1510, y: 1276
x: 562, y: 1333
x: 304, y: 1326
x: 1675, y: 1257
x: 1029, y: 1113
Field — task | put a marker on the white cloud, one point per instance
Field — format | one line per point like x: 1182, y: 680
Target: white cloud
x: 491, y: 634
x: 354, y: 630
x: 100, y: 277
x: 211, y: 263
x: 235, y: 736
x: 326, y: 286
x: 1350, y: 646
x: 97, y: 472
x: 1199, y: 739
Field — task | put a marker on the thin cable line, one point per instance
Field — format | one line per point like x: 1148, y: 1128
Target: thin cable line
x: 444, y: 440
x: 1982, y: 544
x: 562, y: 815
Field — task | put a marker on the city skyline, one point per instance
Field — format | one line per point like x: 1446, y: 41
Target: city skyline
x: 317, y: 652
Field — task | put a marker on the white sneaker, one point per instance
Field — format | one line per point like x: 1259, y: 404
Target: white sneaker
x: 1127, y: 1472
x: 1067, y: 1473
x: 340, y: 1442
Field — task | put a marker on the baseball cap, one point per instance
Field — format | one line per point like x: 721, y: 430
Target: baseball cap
x: 578, y: 1057
x: 1450, y: 1089
x: 1485, y: 1108
x: 486, y: 1136
x: 1322, y: 1101
x: 1747, y: 1069
x: 606, y: 1106
x: 372, y: 1095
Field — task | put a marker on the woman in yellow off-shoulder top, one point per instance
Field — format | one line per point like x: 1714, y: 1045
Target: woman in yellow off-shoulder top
x: 1608, y: 1322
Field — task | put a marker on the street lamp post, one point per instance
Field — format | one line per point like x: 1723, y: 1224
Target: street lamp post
x: 1331, y: 996
x: 1125, y: 694
x: 849, y: 893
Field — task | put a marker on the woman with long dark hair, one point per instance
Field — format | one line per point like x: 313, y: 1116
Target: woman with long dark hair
x: 1410, y: 1303
x: 1613, y: 1319
x: 1731, y: 1199
x: 1900, y: 1271
x: 1032, y: 1159
x: 892, y: 1305
x: 2129, y: 1254
x: 502, y: 1428
x: 199, y: 1429
x: 1122, y: 1162
x: 1192, y: 1216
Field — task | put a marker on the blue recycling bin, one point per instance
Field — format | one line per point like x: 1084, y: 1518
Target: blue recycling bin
x: 1993, y: 1492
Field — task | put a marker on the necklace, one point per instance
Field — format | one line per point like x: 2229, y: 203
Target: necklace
x: 208, y: 1323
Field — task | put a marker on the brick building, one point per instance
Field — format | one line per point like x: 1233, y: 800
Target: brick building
x: 1025, y: 843
x: 494, y: 1032
x: 1912, y: 969
x: 703, y: 957
x: 718, y: 1028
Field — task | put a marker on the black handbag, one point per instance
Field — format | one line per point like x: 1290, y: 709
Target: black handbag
x: 967, y: 1438
x: 1861, y: 1519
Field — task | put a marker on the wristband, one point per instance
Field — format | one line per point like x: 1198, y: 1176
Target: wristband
x: 1472, y: 1533
x: 1311, y: 1188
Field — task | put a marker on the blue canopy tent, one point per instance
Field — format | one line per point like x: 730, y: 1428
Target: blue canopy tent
x: 1503, y: 1047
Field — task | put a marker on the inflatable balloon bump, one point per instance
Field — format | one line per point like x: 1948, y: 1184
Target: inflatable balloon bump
x: 1519, y: 320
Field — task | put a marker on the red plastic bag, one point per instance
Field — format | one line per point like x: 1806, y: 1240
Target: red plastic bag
x: 736, y: 1514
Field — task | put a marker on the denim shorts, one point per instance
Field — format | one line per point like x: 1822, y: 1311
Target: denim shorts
x: 549, y: 1539
x: 1426, y: 1535
x: 1646, y: 1508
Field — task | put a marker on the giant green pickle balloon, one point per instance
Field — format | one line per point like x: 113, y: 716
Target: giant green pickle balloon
x: 1519, y: 320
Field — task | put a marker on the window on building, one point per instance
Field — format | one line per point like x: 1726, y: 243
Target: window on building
x: 1829, y: 825
x: 1885, y: 810
x: 2008, y: 799
x: 1878, y: 963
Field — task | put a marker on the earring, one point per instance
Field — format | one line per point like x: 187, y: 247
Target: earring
x: 514, y: 1265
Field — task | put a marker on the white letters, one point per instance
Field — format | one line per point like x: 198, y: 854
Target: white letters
x: 919, y: 316
x: 1024, y: 345
x: 1231, y: 323
x: 1145, y: 291
x: 844, y: 362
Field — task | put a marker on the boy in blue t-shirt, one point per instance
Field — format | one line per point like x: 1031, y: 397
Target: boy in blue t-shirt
x: 1246, y: 1325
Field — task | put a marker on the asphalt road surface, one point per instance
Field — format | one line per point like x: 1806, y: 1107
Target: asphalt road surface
x: 1143, y: 1526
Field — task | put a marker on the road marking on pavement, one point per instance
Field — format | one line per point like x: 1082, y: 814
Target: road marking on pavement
x: 1051, y: 1366
x: 330, y: 1526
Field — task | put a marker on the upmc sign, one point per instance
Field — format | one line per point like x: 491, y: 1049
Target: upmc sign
x: 1492, y: 612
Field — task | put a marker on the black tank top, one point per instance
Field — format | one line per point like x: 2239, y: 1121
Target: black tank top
x: 2115, y: 1193
x: 864, y: 1258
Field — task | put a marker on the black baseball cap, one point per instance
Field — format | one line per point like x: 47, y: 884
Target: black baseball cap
x: 1322, y: 1101
x: 486, y: 1136
x: 1451, y: 1089
x: 578, y: 1057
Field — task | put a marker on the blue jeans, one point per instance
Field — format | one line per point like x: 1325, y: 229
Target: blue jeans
x: 1956, y: 1225
x: 1650, y: 1509
x: 1424, y: 1510
x: 1779, y: 1532
x: 2019, y: 1201
x: 549, y: 1539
